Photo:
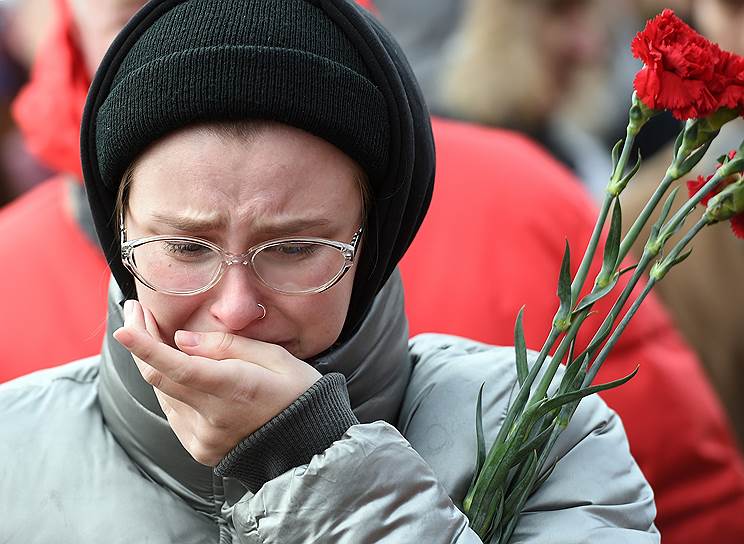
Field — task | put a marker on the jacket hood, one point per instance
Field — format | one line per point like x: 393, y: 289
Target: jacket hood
x: 400, y: 194
x: 374, y: 360
x: 49, y: 108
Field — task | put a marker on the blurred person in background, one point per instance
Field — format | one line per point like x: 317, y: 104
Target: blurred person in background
x: 513, y: 63
x: 700, y: 295
x: 557, y: 70
x: 22, y: 23
x: 476, y: 195
x: 49, y: 252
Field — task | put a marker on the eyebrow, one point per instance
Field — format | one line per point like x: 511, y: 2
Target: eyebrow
x: 279, y: 228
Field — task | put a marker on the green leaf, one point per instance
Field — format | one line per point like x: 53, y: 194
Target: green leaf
x: 480, y: 440
x: 535, y: 442
x: 527, y: 477
x: 495, y: 527
x: 666, y: 209
x: 612, y: 246
x: 492, y: 516
x: 520, y: 348
x: 633, y: 171
x: 562, y: 321
x: 680, y: 258
x: 564, y: 280
x: 546, y: 474
x: 559, y: 400
x: 518, y: 496
x: 678, y: 142
x: 690, y: 162
x: 627, y: 269
x: 595, y: 295
x: 572, y: 372
x: 616, y: 153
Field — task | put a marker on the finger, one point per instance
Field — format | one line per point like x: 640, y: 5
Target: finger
x: 164, y: 386
x: 151, y: 325
x: 223, y: 345
x: 198, y: 373
x: 175, y: 410
x: 133, y: 315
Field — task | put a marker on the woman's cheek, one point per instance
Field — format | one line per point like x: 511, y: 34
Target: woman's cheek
x: 171, y: 313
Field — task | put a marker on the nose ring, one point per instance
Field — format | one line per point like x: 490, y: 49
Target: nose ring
x: 263, y: 308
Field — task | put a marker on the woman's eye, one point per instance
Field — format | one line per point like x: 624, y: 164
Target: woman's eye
x: 292, y: 250
x: 185, y: 248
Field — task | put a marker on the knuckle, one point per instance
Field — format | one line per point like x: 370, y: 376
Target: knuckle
x: 183, y: 375
x: 151, y: 376
x: 225, y: 343
x: 278, y: 353
x: 245, y: 393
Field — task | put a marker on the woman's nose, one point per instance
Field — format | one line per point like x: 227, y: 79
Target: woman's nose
x: 235, y: 301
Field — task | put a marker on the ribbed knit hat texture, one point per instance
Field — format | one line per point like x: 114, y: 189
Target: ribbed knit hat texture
x: 208, y: 60
x: 325, y: 66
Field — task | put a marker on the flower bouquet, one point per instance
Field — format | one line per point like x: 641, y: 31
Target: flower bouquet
x: 703, y: 85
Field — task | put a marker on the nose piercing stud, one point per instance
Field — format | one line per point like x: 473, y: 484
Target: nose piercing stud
x: 264, y: 311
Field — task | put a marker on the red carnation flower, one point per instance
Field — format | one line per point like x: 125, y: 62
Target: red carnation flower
x: 730, y: 86
x: 693, y: 186
x: 680, y: 68
x: 737, y: 225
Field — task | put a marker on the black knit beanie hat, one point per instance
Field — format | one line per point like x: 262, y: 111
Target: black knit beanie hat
x: 324, y: 66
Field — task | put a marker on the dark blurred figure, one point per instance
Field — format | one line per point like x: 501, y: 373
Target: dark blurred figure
x: 11, y: 79
x: 21, y: 26
x: 513, y: 63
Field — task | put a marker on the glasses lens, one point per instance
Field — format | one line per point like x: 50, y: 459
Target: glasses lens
x: 296, y: 267
x: 175, y: 265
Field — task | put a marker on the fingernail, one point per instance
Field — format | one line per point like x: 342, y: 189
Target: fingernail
x: 124, y: 340
x: 128, y: 307
x: 188, y: 339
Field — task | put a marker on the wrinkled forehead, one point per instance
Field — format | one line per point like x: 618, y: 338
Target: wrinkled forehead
x: 263, y: 175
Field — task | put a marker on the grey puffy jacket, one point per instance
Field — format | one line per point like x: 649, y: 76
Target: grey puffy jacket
x: 87, y: 457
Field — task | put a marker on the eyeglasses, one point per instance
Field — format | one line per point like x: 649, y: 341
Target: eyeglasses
x: 184, y: 265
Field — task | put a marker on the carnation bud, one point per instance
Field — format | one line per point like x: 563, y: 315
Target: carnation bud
x: 700, y: 131
x: 638, y: 115
x: 726, y: 204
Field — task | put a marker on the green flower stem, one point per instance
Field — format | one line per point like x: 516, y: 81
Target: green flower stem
x: 640, y: 222
x: 597, y: 364
x: 669, y: 261
x: 612, y: 315
x: 661, y: 268
x: 591, y: 249
x: 524, y: 391
x: 560, y: 352
x: 630, y: 134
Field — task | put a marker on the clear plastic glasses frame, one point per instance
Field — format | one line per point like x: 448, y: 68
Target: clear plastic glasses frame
x: 348, y: 251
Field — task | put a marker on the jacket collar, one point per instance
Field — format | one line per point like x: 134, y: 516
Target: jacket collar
x: 375, y: 362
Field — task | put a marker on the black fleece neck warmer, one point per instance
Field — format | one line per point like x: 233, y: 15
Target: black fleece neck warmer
x: 324, y: 66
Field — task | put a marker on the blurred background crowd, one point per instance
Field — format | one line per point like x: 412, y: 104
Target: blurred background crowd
x: 558, y: 71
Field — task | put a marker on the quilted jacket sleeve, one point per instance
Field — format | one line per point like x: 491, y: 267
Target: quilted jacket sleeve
x: 370, y: 486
